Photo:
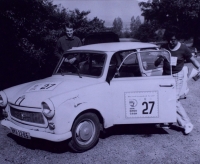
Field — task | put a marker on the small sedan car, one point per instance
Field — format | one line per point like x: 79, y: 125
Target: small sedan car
x: 108, y: 84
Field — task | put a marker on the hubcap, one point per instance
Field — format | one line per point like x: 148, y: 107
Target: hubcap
x: 85, y: 132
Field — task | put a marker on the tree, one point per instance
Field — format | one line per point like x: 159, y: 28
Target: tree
x: 29, y: 31
x: 183, y: 14
x: 27, y: 37
x: 84, y: 26
x: 117, y: 25
x: 134, y: 25
x: 126, y: 32
x: 146, y: 33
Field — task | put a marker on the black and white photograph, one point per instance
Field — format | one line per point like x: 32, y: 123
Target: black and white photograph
x: 99, y: 81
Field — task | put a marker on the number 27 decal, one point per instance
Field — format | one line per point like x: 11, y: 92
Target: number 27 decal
x: 146, y: 110
x: 47, y: 86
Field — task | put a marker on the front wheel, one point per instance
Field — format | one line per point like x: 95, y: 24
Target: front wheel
x: 85, y: 132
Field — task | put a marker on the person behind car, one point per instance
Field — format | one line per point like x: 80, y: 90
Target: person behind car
x: 179, y: 53
x: 66, y: 42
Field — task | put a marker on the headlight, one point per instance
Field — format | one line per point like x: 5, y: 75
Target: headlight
x: 3, y: 99
x: 48, y: 109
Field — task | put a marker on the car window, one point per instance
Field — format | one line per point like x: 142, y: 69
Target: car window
x: 131, y: 59
x: 129, y: 66
x: 86, y: 64
x: 148, y: 58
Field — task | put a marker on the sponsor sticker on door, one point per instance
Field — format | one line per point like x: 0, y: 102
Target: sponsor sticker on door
x: 141, y: 104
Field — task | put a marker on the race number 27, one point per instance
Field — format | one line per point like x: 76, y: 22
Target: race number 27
x: 148, y: 107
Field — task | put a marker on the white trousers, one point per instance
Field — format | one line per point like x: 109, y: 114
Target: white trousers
x: 182, y: 117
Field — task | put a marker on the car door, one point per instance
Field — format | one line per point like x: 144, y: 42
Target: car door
x: 139, y: 93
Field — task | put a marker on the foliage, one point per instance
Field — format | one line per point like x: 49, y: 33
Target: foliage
x: 84, y: 26
x: 134, y: 25
x: 184, y: 14
x: 117, y: 25
x: 146, y: 33
x: 28, y: 34
x: 126, y: 33
x: 29, y: 30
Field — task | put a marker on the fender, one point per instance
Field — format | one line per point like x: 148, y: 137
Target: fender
x: 68, y: 112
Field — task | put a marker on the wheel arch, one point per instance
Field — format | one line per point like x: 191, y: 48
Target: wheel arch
x: 94, y: 111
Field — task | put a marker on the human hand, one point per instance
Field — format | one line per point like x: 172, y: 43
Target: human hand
x: 66, y: 60
x: 71, y: 61
x: 162, y: 55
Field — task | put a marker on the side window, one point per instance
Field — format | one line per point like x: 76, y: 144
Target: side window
x: 129, y: 66
x: 148, y: 58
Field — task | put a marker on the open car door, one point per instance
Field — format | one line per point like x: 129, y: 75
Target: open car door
x: 141, y: 94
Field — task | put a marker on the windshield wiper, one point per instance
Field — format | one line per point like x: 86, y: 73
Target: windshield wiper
x: 77, y: 69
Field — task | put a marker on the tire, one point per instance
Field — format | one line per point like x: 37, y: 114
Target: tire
x: 85, y: 132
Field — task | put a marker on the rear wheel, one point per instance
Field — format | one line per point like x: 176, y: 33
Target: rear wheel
x: 85, y: 132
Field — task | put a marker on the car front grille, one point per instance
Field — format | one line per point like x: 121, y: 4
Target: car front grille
x: 33, y: 117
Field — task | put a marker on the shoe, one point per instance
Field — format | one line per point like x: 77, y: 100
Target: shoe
x: 163, y: 125
x: 188, y: 128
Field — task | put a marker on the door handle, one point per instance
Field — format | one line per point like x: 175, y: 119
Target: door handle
x: 171, y: 85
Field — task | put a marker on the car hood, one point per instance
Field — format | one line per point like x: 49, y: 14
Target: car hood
x: 33, y: 93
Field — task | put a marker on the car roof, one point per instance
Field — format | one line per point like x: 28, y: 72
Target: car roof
x: 115, y: 46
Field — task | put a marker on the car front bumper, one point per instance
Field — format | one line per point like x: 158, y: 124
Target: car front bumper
x: 38, y: 134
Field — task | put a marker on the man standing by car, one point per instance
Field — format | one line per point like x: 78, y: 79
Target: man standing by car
x: 179, y: 53
x: 66, y: 42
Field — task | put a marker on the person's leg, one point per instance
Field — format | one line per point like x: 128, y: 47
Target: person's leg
x: 182, y: 117
x: 179, y: 82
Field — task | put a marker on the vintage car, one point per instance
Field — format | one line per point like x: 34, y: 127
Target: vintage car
x: 108, y: 84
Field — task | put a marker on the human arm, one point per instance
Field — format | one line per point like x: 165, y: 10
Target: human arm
x: 71, y: 61
x: 57, y: 51
x: 158, y: 61
x: 79, y: 43
x: 195, y: 63
x: 72, y: 58
x: 189, y: 57
x: 163, y: 55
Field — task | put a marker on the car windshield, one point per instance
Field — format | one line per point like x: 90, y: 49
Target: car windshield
x: 82, y: 64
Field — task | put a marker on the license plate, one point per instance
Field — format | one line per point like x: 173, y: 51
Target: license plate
x: 20, y: 133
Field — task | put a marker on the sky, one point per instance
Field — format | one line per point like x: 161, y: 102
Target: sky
x: 106, y: 10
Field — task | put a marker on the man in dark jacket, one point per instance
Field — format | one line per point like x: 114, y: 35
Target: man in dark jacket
x: 66, y: 42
